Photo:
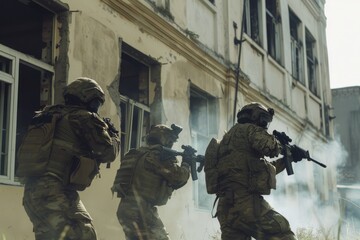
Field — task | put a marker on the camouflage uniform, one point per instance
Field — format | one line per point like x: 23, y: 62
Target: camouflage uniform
x: 50, y: 198
x: 244, y: 176
x: 144, y: 181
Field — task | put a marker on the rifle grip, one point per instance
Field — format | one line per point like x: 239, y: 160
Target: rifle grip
x: 193, y: 171
x: 288, y: 164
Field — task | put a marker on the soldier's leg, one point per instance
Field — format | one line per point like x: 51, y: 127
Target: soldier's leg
x: 274, y: 226
x: 55, y: 213
x: 81, y: 226
x: 132, y: 217
x: 231, y: 224
x: 156, y: 227
x: 139, y: 220
x: 128, y: 216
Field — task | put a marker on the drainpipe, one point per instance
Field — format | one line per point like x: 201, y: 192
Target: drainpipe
x: 238, y: 42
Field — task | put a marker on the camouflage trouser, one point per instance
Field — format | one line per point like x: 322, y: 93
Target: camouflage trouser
x: 56, y: 213
x: 240, y: 221
x: 140, y: 220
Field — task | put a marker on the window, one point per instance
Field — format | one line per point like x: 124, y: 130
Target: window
x: 273, y: 29
x: 252, y: 20
x: 136, y: 71
x: 311, y: 63
x: 203, y: 125
x: 25, y: 86
x: 135, y: 122
x: 5, y: 89
x: 296, y: 48
x: 25, y: 74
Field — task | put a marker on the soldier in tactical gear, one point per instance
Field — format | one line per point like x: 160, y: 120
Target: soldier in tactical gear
x: 146, y: 179
x: 244, y: 176
x: 75, y: 140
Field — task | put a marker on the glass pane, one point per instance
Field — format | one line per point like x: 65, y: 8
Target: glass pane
x: 28, y: 98
x: 123, y: 128
x: 5, y: 65
x: 4, y: 126
x: 135, y: 128
x: 145, y: 127
x: 199, y: 113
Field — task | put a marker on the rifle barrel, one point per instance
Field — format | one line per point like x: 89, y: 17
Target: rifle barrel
x: 319, y: 163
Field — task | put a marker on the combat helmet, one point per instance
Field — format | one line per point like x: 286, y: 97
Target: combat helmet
x: 255, y: 113
x: 163, y: 135
x: 85, y: 89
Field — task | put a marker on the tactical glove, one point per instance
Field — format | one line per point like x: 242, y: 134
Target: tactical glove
x: 113, y: 132
x: 298, y: 154
x: 187, y: 160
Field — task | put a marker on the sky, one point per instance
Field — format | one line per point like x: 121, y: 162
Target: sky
x: 343, y: 41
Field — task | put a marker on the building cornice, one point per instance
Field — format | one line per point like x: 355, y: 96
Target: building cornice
x: 156, y: 26
x: 345, y: 91
x: 282, y: 111
x: 316, y: 10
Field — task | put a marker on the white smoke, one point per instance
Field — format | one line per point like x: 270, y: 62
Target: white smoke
x: 309, y: 199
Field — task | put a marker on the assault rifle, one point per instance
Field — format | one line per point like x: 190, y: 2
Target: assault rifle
x: 189, y: 153
x: 111, y: 126
x: 292, y: 150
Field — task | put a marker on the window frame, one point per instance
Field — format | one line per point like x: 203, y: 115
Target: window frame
x: 296, y: 45
x: 249, y: 23
x: 12, y: 78
x: 274, y: 33
x: 130, y: 105
x: 133, y: 106
x: 196, y: 135
x: 311, y: 63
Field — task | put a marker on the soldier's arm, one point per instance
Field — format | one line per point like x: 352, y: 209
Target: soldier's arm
x: 279, y: 165
x: 263, y: 142
x: 94, y: 132
x: 176, y: 176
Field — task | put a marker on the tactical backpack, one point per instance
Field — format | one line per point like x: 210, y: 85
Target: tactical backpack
x: 34, y: 151
x: 125, y: 174
x: 210, y: 167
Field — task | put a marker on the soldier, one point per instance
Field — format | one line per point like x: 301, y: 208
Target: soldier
x: 145, y: 180
x: 244, y: 176
x: 73, y: 141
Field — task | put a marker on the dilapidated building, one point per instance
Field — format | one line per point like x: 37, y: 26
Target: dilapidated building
x: 346, y: 102
x: 193, y: 63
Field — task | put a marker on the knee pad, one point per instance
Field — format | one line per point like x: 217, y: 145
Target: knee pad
x: 274, y: 223
x: 85, y: 231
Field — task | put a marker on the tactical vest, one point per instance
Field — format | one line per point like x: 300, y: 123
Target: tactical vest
x: 134, y: 178
x: 51, y: 146
x: 240, y: 167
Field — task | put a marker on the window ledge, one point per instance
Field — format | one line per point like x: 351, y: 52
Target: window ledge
x: 210, y: 6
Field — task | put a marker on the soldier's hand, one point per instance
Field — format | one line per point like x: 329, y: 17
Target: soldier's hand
x: 111, y: 128
x: 187, y: 159
x: 297, y: 154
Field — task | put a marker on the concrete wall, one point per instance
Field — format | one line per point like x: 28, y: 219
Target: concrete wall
x: 193, y: 45
x: 346, y: 109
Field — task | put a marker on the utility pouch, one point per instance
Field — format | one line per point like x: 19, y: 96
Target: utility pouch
x: 83, y: 172
x: 264, y: 179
